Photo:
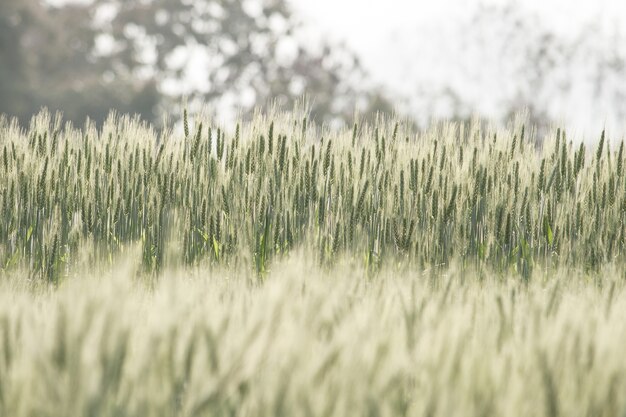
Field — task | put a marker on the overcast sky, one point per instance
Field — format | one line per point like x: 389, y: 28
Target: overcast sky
x: 404, y: 43
x: 381, y: 30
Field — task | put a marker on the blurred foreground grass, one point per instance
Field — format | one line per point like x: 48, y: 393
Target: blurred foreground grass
x: 311, y: 341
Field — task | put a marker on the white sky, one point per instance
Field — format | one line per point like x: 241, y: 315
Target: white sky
x: 403, y: 44
x: 374, y: 27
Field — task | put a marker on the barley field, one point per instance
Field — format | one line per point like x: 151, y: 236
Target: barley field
x: 278, y: 268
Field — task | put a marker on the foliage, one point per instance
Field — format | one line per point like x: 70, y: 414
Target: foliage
x: 86, y: 58
x: 46, y: 60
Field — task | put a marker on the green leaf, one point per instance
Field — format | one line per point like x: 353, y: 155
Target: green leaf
x: 481, y: 251
x: 525, y: 249
x: 548, y: 231
x: 216, y: 248
x: 13, y: 260
x: 203, y: 234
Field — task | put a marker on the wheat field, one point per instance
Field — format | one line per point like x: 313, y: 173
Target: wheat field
x: 315, y: 342
x: 280, y: 268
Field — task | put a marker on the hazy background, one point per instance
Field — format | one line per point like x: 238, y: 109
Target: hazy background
x: 564, y: 61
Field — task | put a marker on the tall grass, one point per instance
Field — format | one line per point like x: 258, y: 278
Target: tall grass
x: 317, y: 343
x: 461, y: 271
x: 378, y: 193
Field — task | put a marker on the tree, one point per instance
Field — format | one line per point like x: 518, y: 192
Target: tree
x: 46, y: 61
x: 138, y: 56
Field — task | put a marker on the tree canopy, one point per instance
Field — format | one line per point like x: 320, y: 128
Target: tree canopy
x: 139, y: 56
